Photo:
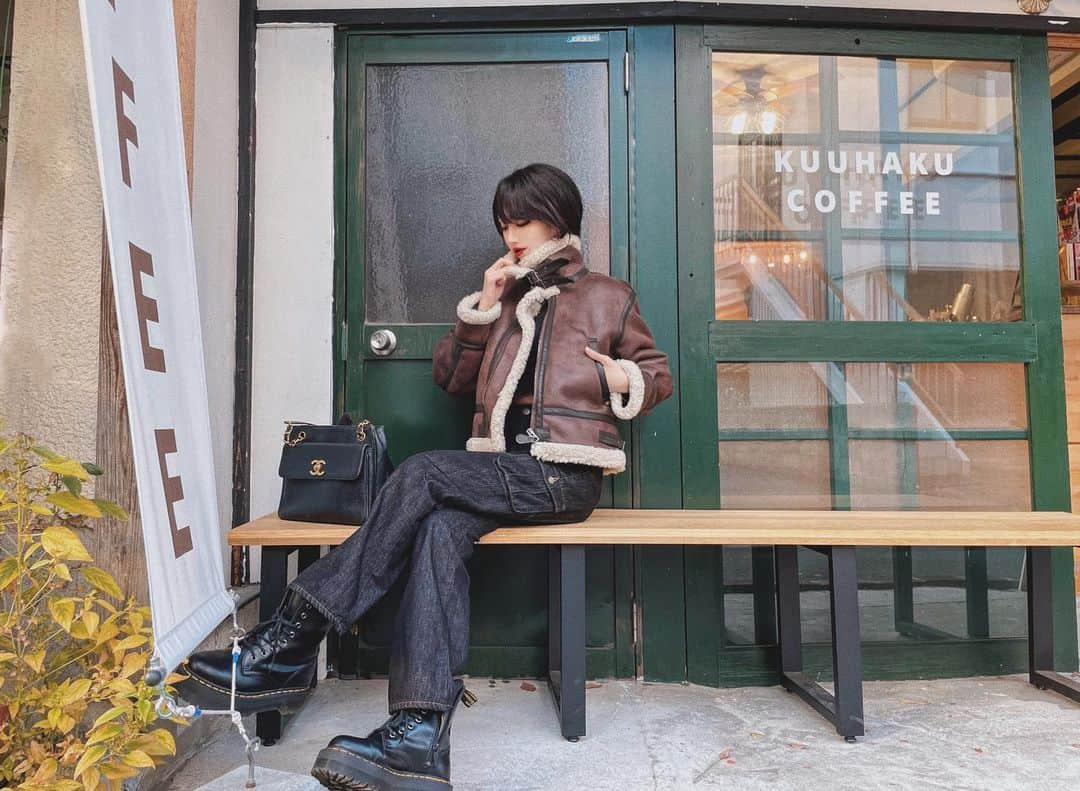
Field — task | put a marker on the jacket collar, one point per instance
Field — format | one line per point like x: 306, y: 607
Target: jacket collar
x: 543, y: 252
x: 553, y: 261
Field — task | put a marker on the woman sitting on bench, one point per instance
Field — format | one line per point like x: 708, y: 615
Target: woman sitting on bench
x: 554, y: 354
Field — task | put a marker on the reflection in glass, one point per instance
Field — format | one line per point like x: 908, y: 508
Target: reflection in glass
x: 903, y: 207
x: 789, y: 475
x: 437, y: 140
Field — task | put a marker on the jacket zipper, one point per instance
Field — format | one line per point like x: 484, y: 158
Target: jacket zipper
x: 536, y: 426
x: 500, y: 347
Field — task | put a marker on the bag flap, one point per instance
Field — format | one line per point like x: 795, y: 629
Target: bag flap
x: 322, y: 461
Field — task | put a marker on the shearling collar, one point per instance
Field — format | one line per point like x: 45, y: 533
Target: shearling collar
x: 543, y: 252
x: 568, y: 248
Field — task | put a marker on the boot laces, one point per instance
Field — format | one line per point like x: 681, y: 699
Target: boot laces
x: 268, y: 636
x: 402, y: 721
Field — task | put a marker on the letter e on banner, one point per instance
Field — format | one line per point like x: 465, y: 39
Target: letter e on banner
x: 145, y: 307
x: 174, y: 490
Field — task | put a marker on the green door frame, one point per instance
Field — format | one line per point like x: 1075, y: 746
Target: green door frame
x: 610, y: 647
x: 1035, y: 341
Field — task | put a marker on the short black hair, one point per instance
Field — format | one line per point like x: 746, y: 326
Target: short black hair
x: 538, y: 192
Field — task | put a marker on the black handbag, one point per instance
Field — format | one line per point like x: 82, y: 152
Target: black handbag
x: 332, y: 473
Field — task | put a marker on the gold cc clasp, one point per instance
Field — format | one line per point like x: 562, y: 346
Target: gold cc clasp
x: 318, y: 467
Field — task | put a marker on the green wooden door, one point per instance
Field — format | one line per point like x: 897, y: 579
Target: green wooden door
x: 426, y: 126
x: 869, y: 318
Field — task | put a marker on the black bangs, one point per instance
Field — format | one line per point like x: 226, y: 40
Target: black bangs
x: 538, y: 192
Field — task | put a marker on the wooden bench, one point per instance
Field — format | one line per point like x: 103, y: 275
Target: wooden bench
x: 835, y: 534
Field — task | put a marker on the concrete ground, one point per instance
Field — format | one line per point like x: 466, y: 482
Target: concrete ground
x: 972, y: 733
x: 984, y: 733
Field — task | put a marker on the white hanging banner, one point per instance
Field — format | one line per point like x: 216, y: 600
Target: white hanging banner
x: 130, y: 48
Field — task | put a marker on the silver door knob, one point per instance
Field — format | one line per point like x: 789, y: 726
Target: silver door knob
x: 383, y: 342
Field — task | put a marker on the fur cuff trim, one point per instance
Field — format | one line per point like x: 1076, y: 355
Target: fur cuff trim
x: 628, y: 409
x: 470, y: 314
x: 611, y: 460
x: 480, y: 444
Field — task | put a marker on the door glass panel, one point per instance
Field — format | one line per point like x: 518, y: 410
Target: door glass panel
x: 940, y: 436
x: 438, y: 139
x: 898, y: 206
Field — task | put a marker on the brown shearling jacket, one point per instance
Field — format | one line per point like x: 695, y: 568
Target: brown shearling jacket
x: 574, y: 414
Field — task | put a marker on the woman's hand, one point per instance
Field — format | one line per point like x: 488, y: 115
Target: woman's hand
x: 618, y: 381
x: 495, y: 282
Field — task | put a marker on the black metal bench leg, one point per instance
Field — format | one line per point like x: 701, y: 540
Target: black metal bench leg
x: 1041, y: 627
x: 977, y: 589
x: 274, y: 579
x: 566, y: 637
x: 788, y: 613
x: 847, y: 656
x: 844, y: 707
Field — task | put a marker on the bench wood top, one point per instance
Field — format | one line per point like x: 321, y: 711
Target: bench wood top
x: 760, y: 528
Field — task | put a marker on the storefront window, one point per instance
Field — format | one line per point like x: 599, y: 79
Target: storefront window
x: 856, y: 188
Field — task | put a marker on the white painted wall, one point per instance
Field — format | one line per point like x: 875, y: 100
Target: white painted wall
x: 213, y: 220
x: 1061, y: 8
x: 292, y: 375
x: 50, y: 275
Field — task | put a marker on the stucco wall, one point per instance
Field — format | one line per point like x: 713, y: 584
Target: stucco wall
x: 50, y: 279
x: 213, y: 221
x: 292, y: 332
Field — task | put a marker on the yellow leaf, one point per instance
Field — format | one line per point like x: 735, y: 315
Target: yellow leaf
x: 74, y: 504
x: 63, y: 612
x: 67, y: 467
x: 118, y: 772
x: 78, y: 630
x: 103, y: 581
x: 35, y: 660
x: 7, y: 655
x: 91, y: 779
x: 77, y: 691
x: 102, y: 734
x: 46, y: 772
x: 133, y: 663
x: 121, y: 686
x: 65, y: 723
x: 109, y: 715
x: 38, y: 508
x: 92, y: 620
x: 138, y: 759
x: 62, y: 571
x: 165, y: 742
x: 61, y: 542
x: 92, y: 755
x: 110, y: 508
x: 9, y: 570
x: 132, y: 641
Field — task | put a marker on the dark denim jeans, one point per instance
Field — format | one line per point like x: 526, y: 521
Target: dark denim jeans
x: 425, y: 520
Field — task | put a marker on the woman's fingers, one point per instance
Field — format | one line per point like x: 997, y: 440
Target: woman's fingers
x: 597, y: 355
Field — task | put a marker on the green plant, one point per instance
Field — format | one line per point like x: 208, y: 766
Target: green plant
x: 75, y: 712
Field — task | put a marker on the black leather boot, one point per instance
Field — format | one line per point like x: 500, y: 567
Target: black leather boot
x: 277, y: 666
x: 408, y: 752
